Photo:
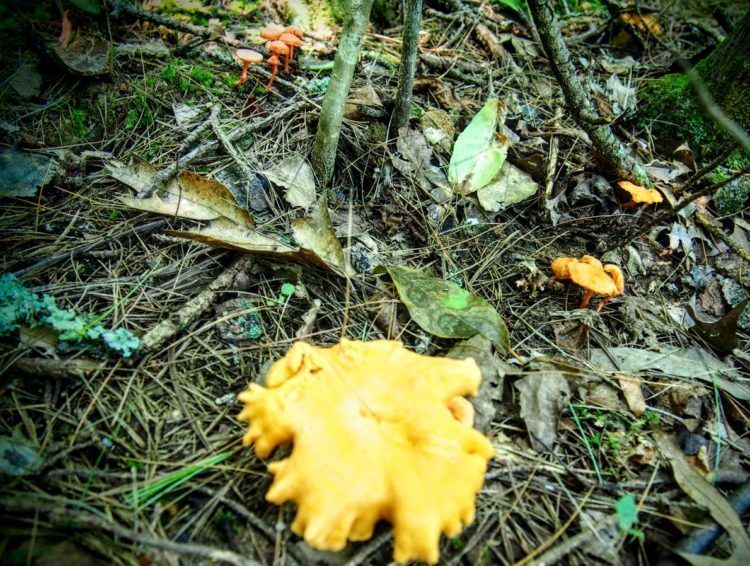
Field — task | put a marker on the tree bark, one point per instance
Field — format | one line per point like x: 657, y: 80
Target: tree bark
x: 332, y: 112
x: 709, y: 105
x: 409, y: 44
x: 612, y: 151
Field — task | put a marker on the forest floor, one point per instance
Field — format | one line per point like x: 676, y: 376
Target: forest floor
x: 120, y: 437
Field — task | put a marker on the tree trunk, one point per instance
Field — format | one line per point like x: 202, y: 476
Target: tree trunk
x: 332, y: 112
x: 674, y: 113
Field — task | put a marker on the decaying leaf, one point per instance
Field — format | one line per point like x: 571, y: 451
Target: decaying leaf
x: 706, y: 495
x: 444, y: 309
x: 188, y: 195
x: 26, y: 81
x: 509, y: 187
x: 318, y: 242
x: 18, y: 456
x: 722, y: 332
x: 88, y: 56
x: 675, y: 362
x: 22, y: 173
x: 493, y: 373
x: 361, y: 102
x: 413, y: 146
x: 308, y: 321
x: 374, y: 437
x: 295, y: 174
x: 480, y: 150
x: 542, y: 397
x: 631, y: 389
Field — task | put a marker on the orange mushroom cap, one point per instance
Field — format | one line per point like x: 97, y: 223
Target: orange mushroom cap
x: 273, y: 61
x: 271, y: 33
x: 589, y: 273
x: 278, y: 48
x: 640, y: 195
x: 377, y: 433
x: 593, y: 277
x: 248, y: 56
x: 290, y: 39
x: 294, y: 30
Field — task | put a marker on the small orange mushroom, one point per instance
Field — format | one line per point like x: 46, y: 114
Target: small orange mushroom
x: 247, y: 56
x: 271, y: 33
x: 67, y: 30
x: 639, y: 195
x: 291, y: 41
x: 295, y: 31
x: 589, y: 273
x: 273, y: 61
x: 278, y: 49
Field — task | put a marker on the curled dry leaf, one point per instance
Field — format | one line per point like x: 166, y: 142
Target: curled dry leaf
x: 318, y: 242
x: 295, y: 174
x: 631, y: 389
x: 194, y: 197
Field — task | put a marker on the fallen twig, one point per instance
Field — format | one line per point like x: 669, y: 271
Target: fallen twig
x: 613, y: 152
x: 170, y: 326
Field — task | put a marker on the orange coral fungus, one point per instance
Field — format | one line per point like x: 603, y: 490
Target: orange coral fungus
x: 639, y: 195
x: 589, y: 273
x: 375, y: 437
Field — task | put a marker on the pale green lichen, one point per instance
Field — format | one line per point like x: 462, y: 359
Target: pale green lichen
x: 20, y: 307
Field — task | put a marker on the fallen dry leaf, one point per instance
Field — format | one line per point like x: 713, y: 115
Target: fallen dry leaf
x: 542, y: 397
x: 706, y: 495
x: 631, y: 389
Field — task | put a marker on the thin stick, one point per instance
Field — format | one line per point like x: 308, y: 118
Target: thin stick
x: 409, y: 45
x: 616, y: 156
x: 169, y: 327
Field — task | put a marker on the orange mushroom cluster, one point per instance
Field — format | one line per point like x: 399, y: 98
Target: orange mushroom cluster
x: 589, y: 273
x: 639, y: 195
x: 378, y: 432
x: 281, y: 43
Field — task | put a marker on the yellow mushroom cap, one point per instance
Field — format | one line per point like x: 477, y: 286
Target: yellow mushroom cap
x: 640, y: 195
x: 560, y: 267
x: 248, y: 56
x: 377, y: 433
x: 616, y: 274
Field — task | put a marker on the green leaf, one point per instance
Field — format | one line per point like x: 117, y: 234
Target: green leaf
x: 287, y: 289
x: 477, y: 153
x: 442, y: 308
x: 627, y: 513
x: 515, y: 5
x: 89, y: 6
